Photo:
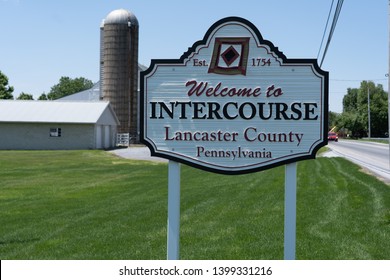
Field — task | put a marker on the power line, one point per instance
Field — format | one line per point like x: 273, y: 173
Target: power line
x: 326, y: 27
x: 356, y: 80
x: 333, y: 27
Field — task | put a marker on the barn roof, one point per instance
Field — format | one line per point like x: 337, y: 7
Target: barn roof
x: 54, y: 111
x: 92, y: 94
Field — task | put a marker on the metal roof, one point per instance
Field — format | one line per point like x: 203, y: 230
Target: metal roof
x: 53, y: 111
x: 121, y: 16
x: 92, y: 94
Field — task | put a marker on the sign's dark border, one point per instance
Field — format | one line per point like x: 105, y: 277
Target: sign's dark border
x: 285, y: 60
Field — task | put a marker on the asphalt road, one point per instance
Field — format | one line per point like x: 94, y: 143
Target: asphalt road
x: 372, y: 156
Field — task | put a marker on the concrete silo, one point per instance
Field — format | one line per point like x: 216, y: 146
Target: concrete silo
x: 119, y: 68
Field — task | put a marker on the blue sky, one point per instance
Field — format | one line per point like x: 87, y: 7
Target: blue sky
x: 42, y: 40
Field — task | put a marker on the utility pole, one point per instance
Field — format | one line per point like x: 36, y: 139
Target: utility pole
x: 369, y: 112
x: 388, y: 82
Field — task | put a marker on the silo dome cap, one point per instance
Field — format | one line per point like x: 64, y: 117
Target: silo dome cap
x: 121, y: 16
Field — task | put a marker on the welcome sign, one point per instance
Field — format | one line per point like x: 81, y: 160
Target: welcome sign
x: 233, y: 103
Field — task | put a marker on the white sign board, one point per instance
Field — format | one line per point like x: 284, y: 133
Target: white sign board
x: 233, y: 103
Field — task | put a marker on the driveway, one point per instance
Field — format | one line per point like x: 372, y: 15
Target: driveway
x: 137, y: 152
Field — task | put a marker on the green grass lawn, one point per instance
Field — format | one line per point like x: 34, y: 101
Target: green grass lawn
x: 93, y: 205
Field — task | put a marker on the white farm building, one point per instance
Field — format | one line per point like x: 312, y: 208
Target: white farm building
x: 57, y: 125
x: 101, y: 117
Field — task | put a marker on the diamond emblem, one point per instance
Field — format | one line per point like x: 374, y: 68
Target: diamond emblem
x: 230, y: 55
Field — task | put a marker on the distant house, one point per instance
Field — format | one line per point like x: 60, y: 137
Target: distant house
x: 57, y: 125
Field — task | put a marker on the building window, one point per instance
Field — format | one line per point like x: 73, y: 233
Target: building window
x: 55, y: 132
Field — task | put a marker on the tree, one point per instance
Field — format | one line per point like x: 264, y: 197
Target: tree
x: 350, y: 100
x: 355, y: 110
x: 353, y: 123
x: 25, y: 96
x: 333, y: 119
x: 5, y: 89
x: 43, y: 96
x: 67, y: 86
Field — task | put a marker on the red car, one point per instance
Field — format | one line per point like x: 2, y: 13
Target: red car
x: 332, y: 136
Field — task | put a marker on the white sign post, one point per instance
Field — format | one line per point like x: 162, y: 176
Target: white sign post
x: 290, y: 202
x: 173, y: 238
x: 234, y: 104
